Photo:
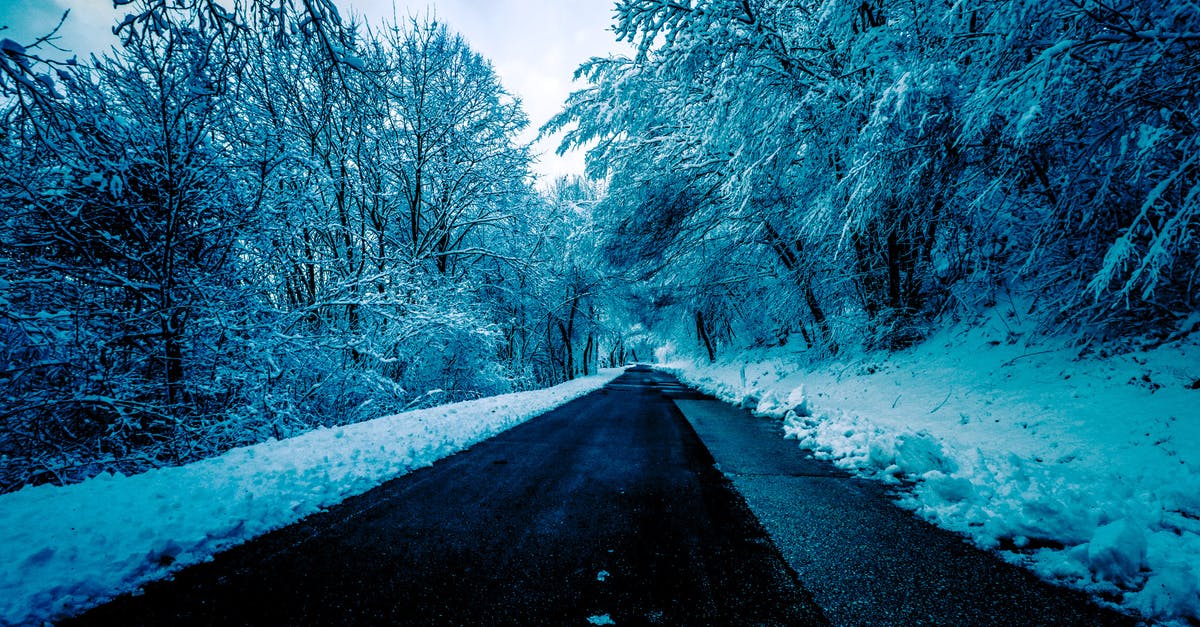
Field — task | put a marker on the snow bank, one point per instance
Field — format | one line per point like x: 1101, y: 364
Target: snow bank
x: 65, y: 549
x: 1084, y: 470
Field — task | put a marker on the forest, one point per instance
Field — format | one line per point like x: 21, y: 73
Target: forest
x: 247, y: 223
x: 244, y: 225
x: 853, y: 175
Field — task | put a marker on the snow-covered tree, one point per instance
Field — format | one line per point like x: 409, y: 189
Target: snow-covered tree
x: 241, y: 225
x: 120, y: 250
x: 896, y: 162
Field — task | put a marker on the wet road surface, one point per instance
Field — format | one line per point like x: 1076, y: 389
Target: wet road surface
x: 606, y: 508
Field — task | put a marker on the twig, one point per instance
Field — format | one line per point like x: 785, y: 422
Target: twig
x: 1014, y: 359
x: 939, y: 405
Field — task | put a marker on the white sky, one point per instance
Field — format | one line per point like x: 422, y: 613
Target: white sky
x: 535, y: 45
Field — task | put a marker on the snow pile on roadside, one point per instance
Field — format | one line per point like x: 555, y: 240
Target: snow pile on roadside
x: 69, y: 548
x: 1085, y: 470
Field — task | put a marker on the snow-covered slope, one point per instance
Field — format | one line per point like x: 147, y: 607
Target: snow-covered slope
x: 1085, y: 470
x: 68, y: 548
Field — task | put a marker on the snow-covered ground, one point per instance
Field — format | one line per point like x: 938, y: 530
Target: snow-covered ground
x: 65, y: 549
x: 1085, y: 470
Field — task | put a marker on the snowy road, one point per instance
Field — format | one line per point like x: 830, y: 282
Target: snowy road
x: 606, y: 509
x: 609, y: 510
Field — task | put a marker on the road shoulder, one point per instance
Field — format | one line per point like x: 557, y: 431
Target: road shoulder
x: 864, y: 559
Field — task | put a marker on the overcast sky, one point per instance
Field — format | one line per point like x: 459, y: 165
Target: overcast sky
x: 535, y: 45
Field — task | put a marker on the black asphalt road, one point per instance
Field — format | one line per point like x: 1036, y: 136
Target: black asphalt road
x: 610, y: 509
x: 607, y: 508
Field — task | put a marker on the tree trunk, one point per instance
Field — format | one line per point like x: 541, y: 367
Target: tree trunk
x: 702, y: 332
x: 173, y: 356
x: 893, y: 272
x: 569, y: 352
x: 869, y: 284
x: 791, y: 262
x: 587, y: 354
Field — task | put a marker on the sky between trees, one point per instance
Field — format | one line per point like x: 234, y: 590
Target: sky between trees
x: 534, y: 45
